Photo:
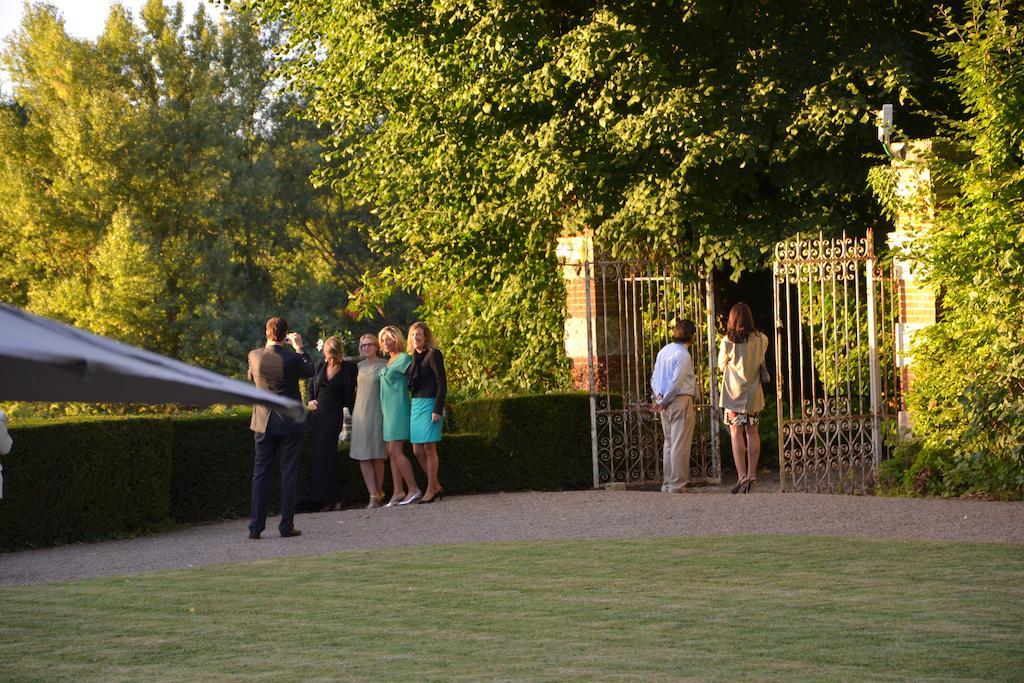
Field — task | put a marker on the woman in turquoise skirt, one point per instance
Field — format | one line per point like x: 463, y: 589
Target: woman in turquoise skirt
x: 428, y: 385
x: 395, y: 404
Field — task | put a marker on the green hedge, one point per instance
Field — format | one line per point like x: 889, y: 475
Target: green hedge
x: 211, y: 471
x: 539, y: 442
x: 468, y: 464
x: 211, y: 476
x: 920, y: 469
x: 75, y: 480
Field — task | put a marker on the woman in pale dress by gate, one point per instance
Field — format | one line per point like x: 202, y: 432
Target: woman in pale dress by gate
x: 740, y: 357
x: 367, y: 444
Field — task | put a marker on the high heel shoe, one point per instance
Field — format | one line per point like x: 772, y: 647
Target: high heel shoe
x: 739, y: 485
x: 434, y: 498
x: 376, y: 500
x: 395, y: 501
x: 751, y: 484
x: 412, y: 499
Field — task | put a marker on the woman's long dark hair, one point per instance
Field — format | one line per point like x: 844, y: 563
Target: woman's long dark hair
x: 741, y: 324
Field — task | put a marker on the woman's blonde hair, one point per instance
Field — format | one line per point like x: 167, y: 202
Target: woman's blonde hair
x: 394, y: 333
x: 419, y: 324
x: 333, y: 349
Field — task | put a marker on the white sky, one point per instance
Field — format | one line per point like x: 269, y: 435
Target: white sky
x: 82, y: 18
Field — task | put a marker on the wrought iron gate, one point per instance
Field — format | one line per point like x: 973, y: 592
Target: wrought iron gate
x: 629, y: 308
x: 834, y: 320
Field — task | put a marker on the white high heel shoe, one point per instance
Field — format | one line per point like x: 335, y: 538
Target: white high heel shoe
x: 412, y: 499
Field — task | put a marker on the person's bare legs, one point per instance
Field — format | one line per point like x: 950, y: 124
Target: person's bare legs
x: 397, y: 484
x: 401, y: 473
x: 426, y: 454
x: 753, y: 450
x: 739, y: 452
x: 378, y: 470
x: 369, y: 473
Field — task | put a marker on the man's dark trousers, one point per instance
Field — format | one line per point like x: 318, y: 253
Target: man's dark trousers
x: 269, y: 449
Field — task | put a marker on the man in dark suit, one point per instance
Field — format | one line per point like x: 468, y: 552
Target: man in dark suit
x: 277, y: 369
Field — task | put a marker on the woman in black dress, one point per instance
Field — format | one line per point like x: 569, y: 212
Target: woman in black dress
x: 332, y: 389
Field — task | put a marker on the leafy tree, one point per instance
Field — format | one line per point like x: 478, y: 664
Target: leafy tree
x: 154, y: 188
x: 968, y: 392
x: 691, y: 131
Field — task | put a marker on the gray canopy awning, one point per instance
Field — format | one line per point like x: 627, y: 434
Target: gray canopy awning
x: 44, y: 360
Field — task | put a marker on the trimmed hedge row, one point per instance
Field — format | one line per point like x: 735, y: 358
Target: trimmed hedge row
x: 211, y: 468
x: 75, y: 480
x: 211, y: 474
x: 539, y: 442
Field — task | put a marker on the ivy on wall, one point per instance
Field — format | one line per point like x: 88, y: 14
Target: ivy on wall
x: 968, y: 393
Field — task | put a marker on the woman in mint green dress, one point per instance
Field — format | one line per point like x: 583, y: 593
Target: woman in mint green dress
x: 395, y: 406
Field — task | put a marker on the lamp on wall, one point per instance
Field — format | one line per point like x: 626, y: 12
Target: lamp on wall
x: 885, y: 128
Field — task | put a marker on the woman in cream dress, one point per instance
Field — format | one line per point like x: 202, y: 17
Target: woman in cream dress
x: 740, y: 358
x: 367, y: 444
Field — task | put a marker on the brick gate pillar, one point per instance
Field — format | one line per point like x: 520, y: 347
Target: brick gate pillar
x: 572, y: 253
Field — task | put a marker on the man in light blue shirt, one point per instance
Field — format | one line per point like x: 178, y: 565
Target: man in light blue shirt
x: 674, y: 384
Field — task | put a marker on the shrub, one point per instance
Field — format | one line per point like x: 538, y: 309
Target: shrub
x: 211, y: 469
x: 919, y: 468
x: 81, y: 479
x: 968, y: 392
x: 72, y: 480
x: 540, y: 442
x: 470, y: 463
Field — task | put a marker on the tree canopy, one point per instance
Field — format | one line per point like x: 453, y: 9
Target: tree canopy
x: 154, y: 188
x: 690, y: 131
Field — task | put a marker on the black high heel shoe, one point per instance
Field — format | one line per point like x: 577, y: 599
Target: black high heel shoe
x: 739, y: 485
x: 751, y: 485
x: 436, y: 497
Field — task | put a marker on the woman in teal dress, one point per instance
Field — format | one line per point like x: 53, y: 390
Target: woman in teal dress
x: 395, y: 405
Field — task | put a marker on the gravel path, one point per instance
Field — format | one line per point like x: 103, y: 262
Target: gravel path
x: 532, y: 516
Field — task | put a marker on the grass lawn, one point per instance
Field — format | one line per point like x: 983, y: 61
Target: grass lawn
x: 662, y: 608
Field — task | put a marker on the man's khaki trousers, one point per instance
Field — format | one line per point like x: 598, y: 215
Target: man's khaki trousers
x: 677, y: 421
